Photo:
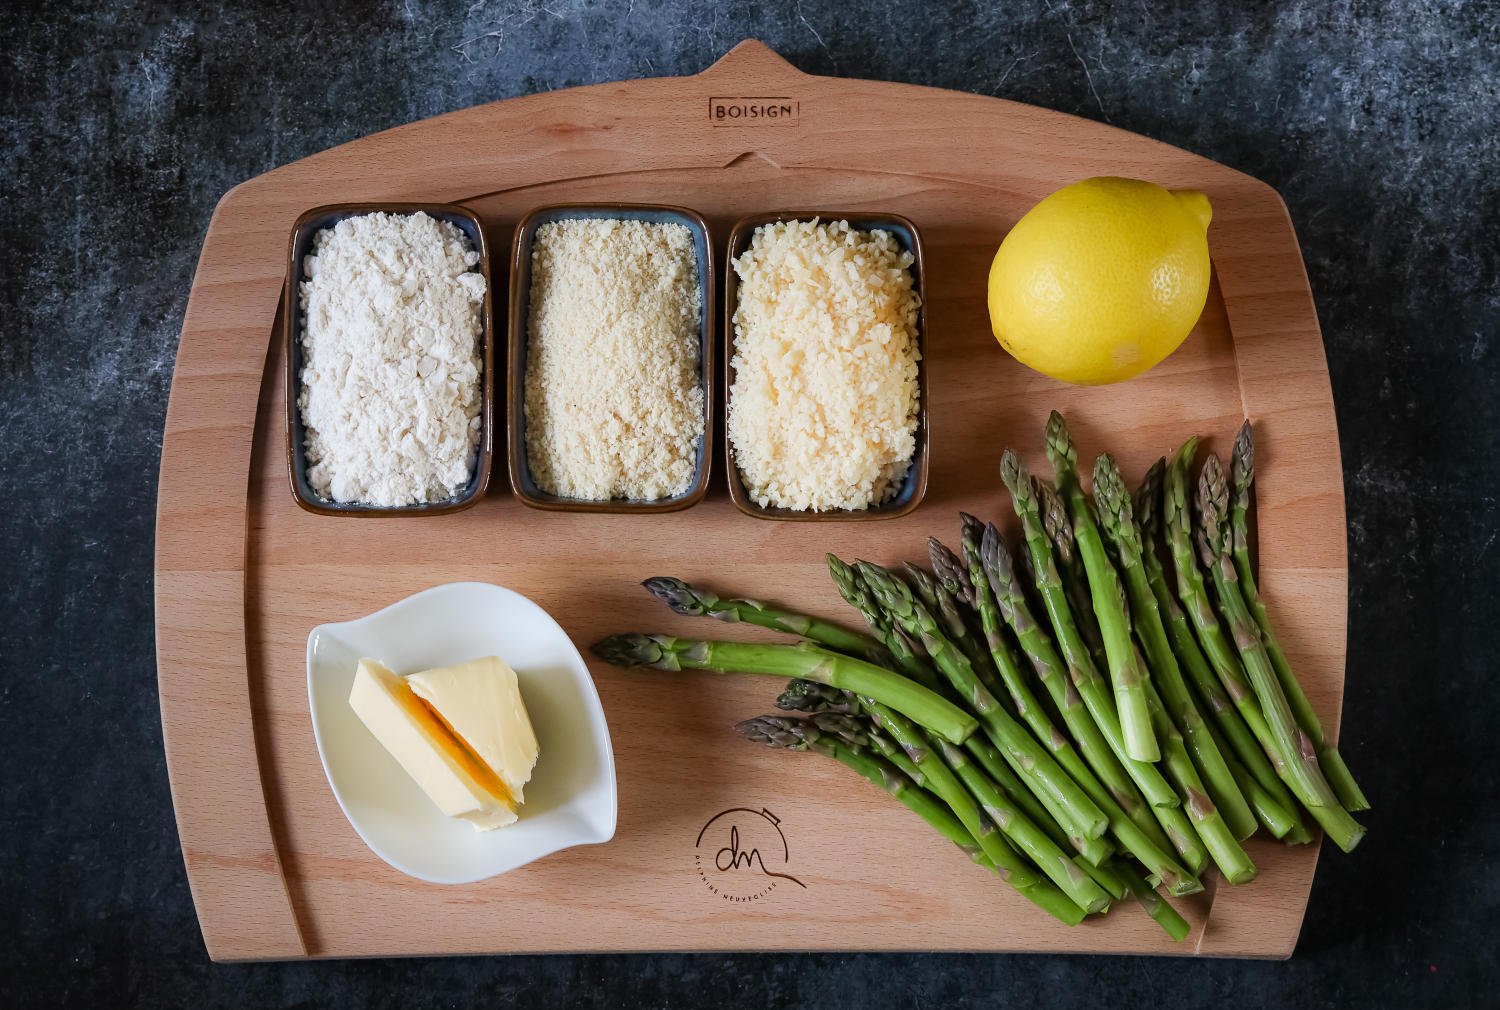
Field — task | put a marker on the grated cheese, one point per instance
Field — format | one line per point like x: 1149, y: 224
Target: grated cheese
x: 614, y: 399
x: 823, y: 408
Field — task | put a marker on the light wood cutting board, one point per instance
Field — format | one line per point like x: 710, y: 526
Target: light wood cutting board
x: 242, y: 575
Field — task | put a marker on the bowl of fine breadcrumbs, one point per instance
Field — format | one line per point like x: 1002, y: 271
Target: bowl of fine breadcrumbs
x: 389, y: 360
x: 611, y: 359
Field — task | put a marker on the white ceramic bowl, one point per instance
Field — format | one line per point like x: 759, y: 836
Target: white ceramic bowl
x: 570, y: 799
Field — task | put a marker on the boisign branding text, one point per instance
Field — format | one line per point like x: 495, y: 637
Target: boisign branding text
x: 753, y: 110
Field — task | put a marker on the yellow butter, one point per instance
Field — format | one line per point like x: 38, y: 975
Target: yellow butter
x: 459, y: 783
x: 480, y: 701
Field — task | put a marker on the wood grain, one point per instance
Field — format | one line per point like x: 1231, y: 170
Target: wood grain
x: 243, y: 575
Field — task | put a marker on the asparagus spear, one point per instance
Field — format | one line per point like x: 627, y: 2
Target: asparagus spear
x: 1175, y: 763
x: 1207, y: 821
x: 798, y: 734
x: 1193, y: 593
x: 1165, y: 803
x: 981, y: 787
x: 914, y: 662
x: 855, y: 593
x: 1156, y: 906
x: 1030, y: 839
x: 691, y: 602
x: 1059, y: 793
x: 951, y: 571
x: 1251, y: 768
x: 1329, y: 758
x: 684, y: 599
x: 806, y: 696
x: 937, y: 773
x: 1108, y: 598
x: 803, y: 660
x: 1118, y: 522
x: 1091, y: 685
x: 944, y: 606
x: 1111, y: 802
x: 1075, y: 579
x: 1300, y: 759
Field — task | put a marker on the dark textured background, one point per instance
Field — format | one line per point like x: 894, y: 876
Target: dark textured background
x: 123, y: 124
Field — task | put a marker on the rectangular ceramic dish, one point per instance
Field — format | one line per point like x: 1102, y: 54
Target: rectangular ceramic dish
x: 520, y: 318
x: 915, y: 487
x: 303, y: 232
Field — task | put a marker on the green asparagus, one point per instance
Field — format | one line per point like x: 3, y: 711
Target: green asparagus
x: 1059, y: 793
x: 803, y: 660
x: 1300, y: 758
x: 1118, y: 523
x: 1108, y: 598
x: 1329, y: 759
x: 1121, y: 790
x: 855, y: 593
x: 1258, y: 781
x: 797, y: 734
x: 691, y: 602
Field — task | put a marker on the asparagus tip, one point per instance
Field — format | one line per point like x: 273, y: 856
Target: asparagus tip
x: 629, y: 650
x: 776, y: 731
x: 1243, y: 458
x: 677, y: 594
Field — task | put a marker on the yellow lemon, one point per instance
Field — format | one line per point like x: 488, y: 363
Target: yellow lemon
x: 1102, y: 279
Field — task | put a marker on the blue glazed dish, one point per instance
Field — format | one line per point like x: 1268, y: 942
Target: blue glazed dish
x: 303, y: 233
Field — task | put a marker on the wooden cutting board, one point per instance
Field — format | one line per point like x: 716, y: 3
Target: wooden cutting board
x: 242, y: 574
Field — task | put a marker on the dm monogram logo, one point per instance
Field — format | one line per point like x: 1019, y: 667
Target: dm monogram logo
x: 742, y: 855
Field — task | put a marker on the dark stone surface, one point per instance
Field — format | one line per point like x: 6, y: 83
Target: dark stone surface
x: 124, y: 123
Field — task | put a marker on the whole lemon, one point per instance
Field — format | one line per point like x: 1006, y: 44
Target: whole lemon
x: 1102, y: 279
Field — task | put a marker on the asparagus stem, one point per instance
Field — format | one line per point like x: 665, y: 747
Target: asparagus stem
x: 1329, y: 759
x: 1058, y: 793
x: 1280, y: 820
x: 1300, y: 757
x: 1026, y: 836
x: 1273, y: 804
x: 998, y: 768
x: 937, y: 775
x: 691, y: 602
x: 1108, y: 598
x: 1117, y: 519
x: 1156, y: 906
x: 797, y: 734
x: 803, y: 660
x: 1086, y: 677
x: 1131, y: 818
x: 1023, y: 700
x: 1213, y: 831
x: 1226, y: 663
x: 1075, y: 579
x: 777, y: 732
x: 1177, y: 822
x: 806, y: 696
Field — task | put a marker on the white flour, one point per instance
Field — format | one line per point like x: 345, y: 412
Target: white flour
x: 391, y: 360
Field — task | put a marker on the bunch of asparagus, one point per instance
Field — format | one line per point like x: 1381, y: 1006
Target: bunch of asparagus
x: 1071, y: 717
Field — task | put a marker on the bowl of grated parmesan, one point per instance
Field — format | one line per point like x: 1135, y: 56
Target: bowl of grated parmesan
x: 610, y: 383
x: 389, y: 348
x: 825, y: 379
